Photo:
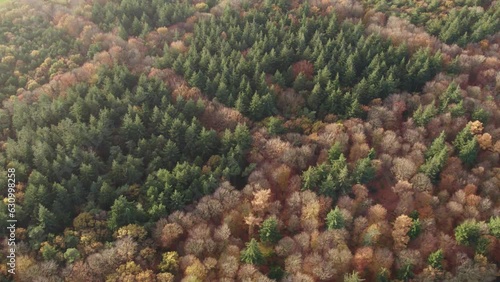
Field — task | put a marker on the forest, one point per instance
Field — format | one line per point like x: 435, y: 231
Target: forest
x: 239, y: 140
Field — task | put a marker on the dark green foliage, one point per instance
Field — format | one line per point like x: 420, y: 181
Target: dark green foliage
x: 138, y: 17
x: 468, y: 232
x: 467, y: 146
x: 335, y: 74
x: 435, y: 259
x: 122, y: 213
x: 71, y: 255
x: 364, y: 171
x: 467, y: 25
x: 458, y: 22
x: 269, y: 232
x: 252, y: 254
x: 275, y: 126
x: 331, y: 179
x: 481, y: 115
x: 482, y: 245
x: 415, y: 229
x: 335, y: 219
x: 120, y: 136
x: 422, y: 115
x: 383, y: 275
x: 276, y: 273
x: 49, y: 252
x: 405, y: 273
x: 452, y: 95
x: 435, y: 158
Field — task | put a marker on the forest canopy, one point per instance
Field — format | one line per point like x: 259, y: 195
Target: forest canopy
x: 270, y: 140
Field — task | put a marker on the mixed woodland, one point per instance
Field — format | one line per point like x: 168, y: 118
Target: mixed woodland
x: 270, y: 140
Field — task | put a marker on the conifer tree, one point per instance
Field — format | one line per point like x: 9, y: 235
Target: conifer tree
x: 252, y: 254
x: 269, y: 232
x: 335, y: 219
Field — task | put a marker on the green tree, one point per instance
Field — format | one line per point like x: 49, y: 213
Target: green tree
x: 252, y: 254
x: 434, y: 164
x: 415, y: 229
x: 269, y: 232
x: 466, y: 145
x: 46, y: 219
x: 334, y: 152
x: 436, y: 147
x: 494, y: 226
x: 275, y: 126
x: 468, y: 232
x: 71, y: 255
x: 364, y: 171
x: 422, y: 116
x: 122, y: 213
x: 335, y: 219
x: 436, y: 259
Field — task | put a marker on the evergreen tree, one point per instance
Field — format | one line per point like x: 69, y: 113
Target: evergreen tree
x: 269, y: 232
x: 467, y: 146
x: 364, y: 171
x: 468, y: 232
x: 252, y: 254
x: 335, y: 219
x: 122, y: 213
x: 437, y: 146
x: 436, y: 259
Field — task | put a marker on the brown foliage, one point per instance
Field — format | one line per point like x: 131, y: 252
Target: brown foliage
x: 169, y: 234
x: 400, y: 231
x: 363, y: 258
x: 304, y: 67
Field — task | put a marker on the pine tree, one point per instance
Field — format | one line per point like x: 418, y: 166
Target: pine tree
x: 252, y: 254
x: 269, y: 232
x: 122, y: 213
x: 433, y: 166
x: 364, y: 171
x: 437, y: 146
x: 466, y: 145
x: 436, y: 259
x: 315, y: 98
x: 335, y: 219
x: 256, y: 107
x: 468, y: 232
x: 46, y: 219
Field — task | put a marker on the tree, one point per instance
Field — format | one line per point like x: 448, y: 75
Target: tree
x: 402, y: 226
x: 466, y: 145
x: 334, y: 152
x: 364, y: 171
x: 252, y: 254
x: 415, y: 228
x: 437, y: 146
x: 335, y: 219
x: 494, y: 226
x: 353, y: 277
x: 122, y: 213
x: 433, y: 165
x: 71, y: 255
x: 169, y: 262
x: 269, y: 232
x: 275, y: 126
x: 436, y: 259
x: 256, y: 107
x: 468, y: 232
x: 47, y: 220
